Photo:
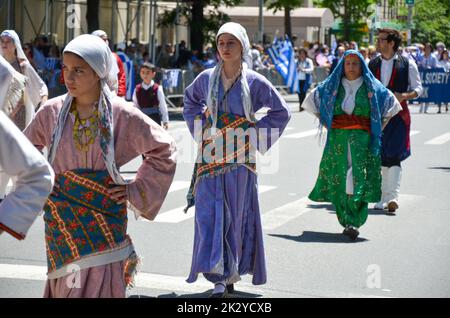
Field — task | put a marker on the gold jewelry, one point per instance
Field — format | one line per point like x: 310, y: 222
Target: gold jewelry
x: 87, y: 127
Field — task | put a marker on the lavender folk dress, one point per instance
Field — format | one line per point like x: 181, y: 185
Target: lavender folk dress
x: 228, y: 239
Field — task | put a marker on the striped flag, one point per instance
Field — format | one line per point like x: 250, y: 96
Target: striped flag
x: 283, y: 57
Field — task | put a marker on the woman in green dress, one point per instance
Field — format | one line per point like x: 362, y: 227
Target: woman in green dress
x: 354, y: 107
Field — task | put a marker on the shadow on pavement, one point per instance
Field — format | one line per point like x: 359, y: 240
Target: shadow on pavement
x: 205, y: 294
x: 328, y: 207
x: 447, y: 169
x: 319, y: 237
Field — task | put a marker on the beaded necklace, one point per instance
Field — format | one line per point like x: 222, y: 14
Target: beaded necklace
x: 87, y: 127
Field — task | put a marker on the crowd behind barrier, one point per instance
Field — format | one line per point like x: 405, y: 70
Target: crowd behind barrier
x: 436, y: 83
x: 175, y: 81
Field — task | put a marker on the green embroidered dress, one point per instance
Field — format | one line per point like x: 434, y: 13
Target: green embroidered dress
x: 351, y: 209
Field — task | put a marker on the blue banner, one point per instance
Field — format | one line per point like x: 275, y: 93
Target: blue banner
x: 436, y: 86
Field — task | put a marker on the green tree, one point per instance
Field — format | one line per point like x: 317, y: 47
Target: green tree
x: 431, y: 21
x: 353, y: 14
x: 287, y: 6
x: 202, y: 28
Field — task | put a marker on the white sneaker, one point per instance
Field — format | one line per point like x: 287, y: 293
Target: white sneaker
x: 380, y: 205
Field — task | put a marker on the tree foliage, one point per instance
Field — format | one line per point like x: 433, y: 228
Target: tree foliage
x: 287, y: 6
x: 202, y: 28
x: 431, y: 21
x: 353, y: 14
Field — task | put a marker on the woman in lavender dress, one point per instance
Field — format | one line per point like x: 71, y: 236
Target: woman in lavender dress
x: 228, y: 238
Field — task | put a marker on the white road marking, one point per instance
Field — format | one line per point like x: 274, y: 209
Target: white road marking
x: 439, y: 140
x: 179, y: 185
x: 177, y: 215
x: 302, y: 134
x: 283, y: 214
x: 414, y: 132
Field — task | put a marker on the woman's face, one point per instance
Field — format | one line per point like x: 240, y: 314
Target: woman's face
x: 8, y: 46
x: 229, y: 48
x: 79, y: 77
x: 352, y: 67
x: 302, y: 55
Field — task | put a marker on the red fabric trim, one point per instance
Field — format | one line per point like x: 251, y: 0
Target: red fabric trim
x: 10, y: 231
x: 345, y: 121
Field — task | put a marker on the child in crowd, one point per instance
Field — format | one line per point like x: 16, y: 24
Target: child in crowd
x: 149, y: 96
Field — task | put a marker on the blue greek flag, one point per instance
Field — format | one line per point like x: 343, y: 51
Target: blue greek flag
x: 283, y: 57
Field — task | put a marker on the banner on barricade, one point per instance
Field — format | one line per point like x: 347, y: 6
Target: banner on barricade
x: 436, y: 86
x: 170, y: 78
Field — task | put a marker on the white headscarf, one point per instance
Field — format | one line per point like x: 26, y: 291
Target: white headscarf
x: 99, y: 33
x: 12, y: 85
x: 97, y: 54
x: 238, y: 31
x: 36, y: 87
x: 15, y: 37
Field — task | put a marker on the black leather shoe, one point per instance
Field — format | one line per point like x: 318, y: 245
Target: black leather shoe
x: 230, y: 288
x: 223, y: 294
x: 351, y: 232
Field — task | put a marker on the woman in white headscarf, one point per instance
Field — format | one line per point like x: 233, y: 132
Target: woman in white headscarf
x: 90, y: 133
x: 18, y: 158
x: 228, y: 238
x: 36, y: 91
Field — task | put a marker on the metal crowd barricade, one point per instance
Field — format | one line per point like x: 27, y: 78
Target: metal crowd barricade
x: 319, y: 74
x: 174, y: 82
x: 275, y: 78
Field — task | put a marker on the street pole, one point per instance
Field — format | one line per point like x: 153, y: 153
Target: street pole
x: 261, y: 22
x: 410, y: 6
x: 177, y: 49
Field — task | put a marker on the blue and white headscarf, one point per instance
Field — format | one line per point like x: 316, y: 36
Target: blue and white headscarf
x: 379, y: 98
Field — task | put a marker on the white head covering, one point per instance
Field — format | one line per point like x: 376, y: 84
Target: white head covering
x: 12, y: 85
x: 97, y: 54
x: 238, y: 31
x: 99, y: 33
x: 13, y: 35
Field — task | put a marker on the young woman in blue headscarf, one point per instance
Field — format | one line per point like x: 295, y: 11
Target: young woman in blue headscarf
x: 354, y: 107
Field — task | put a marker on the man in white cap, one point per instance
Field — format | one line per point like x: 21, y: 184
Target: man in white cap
x: 121, y: 78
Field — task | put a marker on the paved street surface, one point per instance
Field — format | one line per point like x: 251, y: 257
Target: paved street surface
x: 406, y: 255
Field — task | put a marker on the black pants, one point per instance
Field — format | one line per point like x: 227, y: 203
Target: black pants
x: 302, y: 94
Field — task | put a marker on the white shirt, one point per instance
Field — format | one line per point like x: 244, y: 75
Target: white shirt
x: 306, y: 70
x: 350, y: 87
x: 414, y: 83
x: 161, y: 99
x: 35, y: 177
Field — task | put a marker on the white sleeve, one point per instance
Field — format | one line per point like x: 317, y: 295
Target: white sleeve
x: 162, y: 105
x: 134, y: 99
x: 394, y: 109
x: 35, y: 177
x: 35, y: 83
x: 310, y: 69
x: 414, y: 81
x: 310, y: 103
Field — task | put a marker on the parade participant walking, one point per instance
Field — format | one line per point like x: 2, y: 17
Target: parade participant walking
x: 228, y: 238
x: 401, y: 77
x: 90, y: 133
x: 149, y: 96
x: 36, y: 91
x: 353, y: 106
x: 20, y: 159
x: 121, y: 78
